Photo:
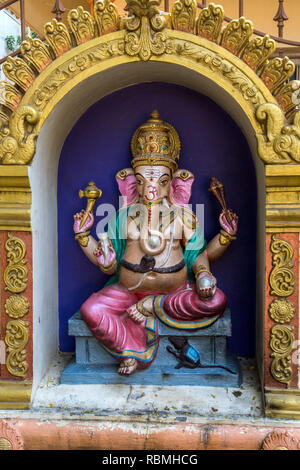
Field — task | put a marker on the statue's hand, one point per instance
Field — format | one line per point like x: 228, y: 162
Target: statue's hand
x: 206, y: 285
x: 226, y: 225
x: 105, y: 252
x: 87, y: 224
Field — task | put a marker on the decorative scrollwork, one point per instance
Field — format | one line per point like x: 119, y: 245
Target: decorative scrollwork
x: 280, y: 143
x: 209, y: 22
x: 16, y: 306
x: 257, y: 52
x: 288, y: 97
x: 17, y: 145
x: 281, y: 344
x: 37, y: 54
x: 15, y: 274
x: 58, y: 37
x: 9, y: 96
x: 183, y: 15
x: 107, y: 17
x: 81, y: 24
x: 16, y: 70
x: 145, y: 37
x: 282, y: 278
x: 281, y: 311
x: 277, y: 72
x: 236, y: 35
x: 16, y: 339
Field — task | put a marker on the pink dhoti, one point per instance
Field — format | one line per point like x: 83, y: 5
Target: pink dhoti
x: 105, y: 314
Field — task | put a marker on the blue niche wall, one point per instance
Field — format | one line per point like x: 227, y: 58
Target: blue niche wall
x: 212, y: 145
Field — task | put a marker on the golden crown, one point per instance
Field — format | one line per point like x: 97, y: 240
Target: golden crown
x: 155, y: 142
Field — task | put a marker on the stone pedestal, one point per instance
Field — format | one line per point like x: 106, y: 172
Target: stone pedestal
x: 94, y: 365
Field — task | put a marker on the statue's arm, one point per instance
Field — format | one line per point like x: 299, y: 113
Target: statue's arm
x: 219, y: 244
x: 100, y: 253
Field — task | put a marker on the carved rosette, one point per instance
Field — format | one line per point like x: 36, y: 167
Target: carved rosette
x: 280, y: 440
x: 16, y: 306
x: 281, y: 311
x: 10, y: 438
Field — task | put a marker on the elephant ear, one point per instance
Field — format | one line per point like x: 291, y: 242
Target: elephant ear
x: 127, y: 186
x: 181, y: 188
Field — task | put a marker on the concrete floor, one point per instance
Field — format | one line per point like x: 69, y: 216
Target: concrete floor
x: 175, y: 402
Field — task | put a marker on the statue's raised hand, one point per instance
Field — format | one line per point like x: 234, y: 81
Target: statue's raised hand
x: 105, y: 253
x: 206, y: 285
x: 87, y: 224
x: 229, y: 228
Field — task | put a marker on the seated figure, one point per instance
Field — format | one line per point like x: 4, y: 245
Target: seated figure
x: 156, y: 253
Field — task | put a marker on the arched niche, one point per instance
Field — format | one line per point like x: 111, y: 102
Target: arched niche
x: 45, y: 169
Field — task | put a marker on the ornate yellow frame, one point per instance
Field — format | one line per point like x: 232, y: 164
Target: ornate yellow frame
x: 227, y: 56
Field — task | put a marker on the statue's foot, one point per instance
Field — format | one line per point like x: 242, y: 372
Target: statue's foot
x: 140, y: 311
x: 127, y: 366
x: 135, y: 315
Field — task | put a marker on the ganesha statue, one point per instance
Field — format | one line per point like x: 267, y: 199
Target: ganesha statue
x: 155, y: 252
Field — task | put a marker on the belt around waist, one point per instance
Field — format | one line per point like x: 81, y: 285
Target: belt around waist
x: 147, y: 265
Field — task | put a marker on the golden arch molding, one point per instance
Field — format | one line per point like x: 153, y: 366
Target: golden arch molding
x: 231, y: 60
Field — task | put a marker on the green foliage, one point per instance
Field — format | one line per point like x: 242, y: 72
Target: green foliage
x: 13, y: 43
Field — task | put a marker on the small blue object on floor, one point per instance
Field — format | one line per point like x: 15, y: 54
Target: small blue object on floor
x: 94, y: 365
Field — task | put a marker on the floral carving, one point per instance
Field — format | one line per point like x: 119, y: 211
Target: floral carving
x: 280, y: 440
x: 81, y: 24
x: 16, y: 306
x: 257, y: 52
x: 58, y: 37
x: 107, y: 17
x: 16, y: 339
x: 236, y: 35
x: 281, y: 311
x: 281, y: 345
x: 282, y: 279
x: 10, y: 438
x: 17, y: 71
x: 37, y: 54
x: 209, y: 22
x: 277, y: 72
x: 17, y: 145
x: 184, y: 15
x: 145, y: 26
x: 15, y: 274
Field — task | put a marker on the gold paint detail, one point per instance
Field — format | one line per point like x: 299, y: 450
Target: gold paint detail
x: 277, y: 72
x: 145, y: 25
x: 58, y: 37
x: 236, y: 35
x: 16, y: 339
x: 257, y: 52
x: 17, y: 71
x: 107, y: 17
x: 16, y: 273
x: 226, y: 69
x: 5, y: 444
x: 281, y: 311
x: 36, y: 53
x: 14, y: 395
x: 83, y: 238
x: 288, y: 97
x: 209, y: 22
x: 16, y: 306
x: 184, y: 15
x: 281, y: 345
x: 280, y: 143
x: 280, y: 440
x: 282, y: 278
x: 17, y: 145
x: 282, y: 403
x: 77, y: 64
x: 9, y: 96
x: 81, y: 24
